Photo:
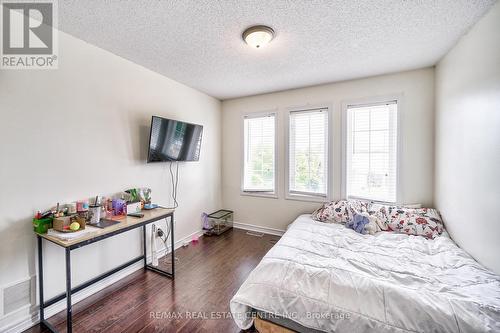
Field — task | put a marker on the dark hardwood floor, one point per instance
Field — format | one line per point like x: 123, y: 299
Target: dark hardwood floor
x: 208, y: 274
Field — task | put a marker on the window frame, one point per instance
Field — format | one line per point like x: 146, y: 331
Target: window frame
x: 306, y: 196
x: 266, y: 194
x: 370, y: 101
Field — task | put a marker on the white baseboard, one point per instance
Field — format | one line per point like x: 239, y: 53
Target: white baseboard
x: 177, y: 244
x: 29, y: 320
x: 32, y: 318
x: 257, y: 228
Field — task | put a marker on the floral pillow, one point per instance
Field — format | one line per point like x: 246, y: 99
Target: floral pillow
x: 413, y: 221
x: 341, y: 211
x: 416, y: 224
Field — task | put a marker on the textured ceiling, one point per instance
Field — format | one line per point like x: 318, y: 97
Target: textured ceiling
x: 198, y: 42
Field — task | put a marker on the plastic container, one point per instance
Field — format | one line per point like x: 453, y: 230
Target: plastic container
x: 94, y: 215
x: 220, y: 221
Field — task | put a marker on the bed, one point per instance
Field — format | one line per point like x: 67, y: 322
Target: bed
x: 328, y: 278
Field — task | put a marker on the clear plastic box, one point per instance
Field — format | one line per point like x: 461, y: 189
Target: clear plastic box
x: 220, y: 221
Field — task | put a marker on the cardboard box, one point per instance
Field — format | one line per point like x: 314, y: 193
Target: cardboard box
x: 62, y: 223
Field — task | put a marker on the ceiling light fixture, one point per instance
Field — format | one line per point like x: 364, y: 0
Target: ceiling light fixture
x: 258, y: 36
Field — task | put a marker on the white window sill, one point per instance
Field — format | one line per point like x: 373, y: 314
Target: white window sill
x: 270, y: 195
x: 388, y: 203
x: 305, y: 197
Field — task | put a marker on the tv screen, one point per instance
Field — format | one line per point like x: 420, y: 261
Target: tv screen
x: 172, y: 140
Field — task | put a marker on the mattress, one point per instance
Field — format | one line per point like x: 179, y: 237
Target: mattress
x: 329, y: 278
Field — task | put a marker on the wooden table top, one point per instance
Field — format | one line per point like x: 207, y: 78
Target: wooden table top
x: 124, y: 224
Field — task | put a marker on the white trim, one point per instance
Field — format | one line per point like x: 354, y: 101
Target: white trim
x: 258, y: 228
x: 30, y: 321
x: 1, y: 303
x: 329, y: 176
x: 307, y: 197
x: 399, y: 98
x: 264, y: 194
x: 377, y: 102
x: 33, y: 319
x: 259, y: 114
x: 178, y: 244
x: 399, y: 148
x: 270, y: 195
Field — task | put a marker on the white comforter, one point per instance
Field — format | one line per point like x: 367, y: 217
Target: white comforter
x: 330, y: 278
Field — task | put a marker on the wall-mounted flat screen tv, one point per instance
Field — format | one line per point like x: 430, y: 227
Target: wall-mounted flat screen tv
x: 173, y: 140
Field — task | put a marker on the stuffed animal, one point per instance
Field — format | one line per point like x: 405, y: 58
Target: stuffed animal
x: 373, y: 226
x: 364, y: 223
x: 358, y: 223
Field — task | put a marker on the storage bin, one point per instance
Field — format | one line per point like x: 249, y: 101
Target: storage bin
x: 220, y: 221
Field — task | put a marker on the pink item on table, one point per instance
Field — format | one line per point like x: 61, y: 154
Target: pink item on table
x: 82, y: 206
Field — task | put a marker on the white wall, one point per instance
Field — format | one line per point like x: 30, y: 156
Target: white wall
x: 417, y: 121
x: 83, y: 130
x: 468, y: 140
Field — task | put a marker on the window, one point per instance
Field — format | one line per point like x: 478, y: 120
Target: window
x: 259, y: 153
x: 308, y: 153
x: 371, y: 152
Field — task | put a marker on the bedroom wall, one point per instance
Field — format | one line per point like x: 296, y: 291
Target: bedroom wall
x: 417, y: 121
x: 83, y: 130
x: 468, y: 140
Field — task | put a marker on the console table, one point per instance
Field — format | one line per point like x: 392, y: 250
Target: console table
x: 126, y: 224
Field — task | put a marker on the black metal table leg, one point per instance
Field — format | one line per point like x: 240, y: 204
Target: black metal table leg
x: 69, y: 309
x: 158, y: 270
x: 144, y: 242
x: 43, y: 322
x: 172, y: 243
x: 40, y: 278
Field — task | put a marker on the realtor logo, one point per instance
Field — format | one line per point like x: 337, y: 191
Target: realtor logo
x: 28, y: 35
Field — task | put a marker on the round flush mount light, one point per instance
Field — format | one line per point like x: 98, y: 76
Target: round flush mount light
x: 258, y: 36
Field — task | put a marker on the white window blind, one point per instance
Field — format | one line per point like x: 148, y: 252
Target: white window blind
x: 308, y: 152
x: 371, y: 152
x: 259, y: 154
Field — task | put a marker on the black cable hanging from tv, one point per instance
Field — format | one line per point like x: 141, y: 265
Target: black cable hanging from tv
x: 175, y: 182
